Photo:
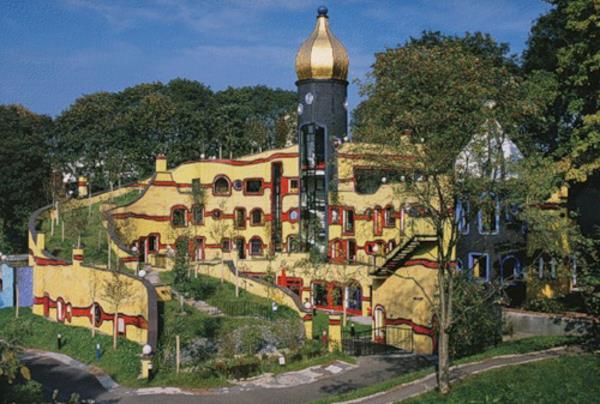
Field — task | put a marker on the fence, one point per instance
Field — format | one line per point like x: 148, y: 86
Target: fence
x: 378, y: 341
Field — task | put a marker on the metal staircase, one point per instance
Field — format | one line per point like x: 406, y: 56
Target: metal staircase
x: 401, y: 253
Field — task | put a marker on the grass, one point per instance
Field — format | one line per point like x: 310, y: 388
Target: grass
x: 222, y: 296
x: 321, y: 322
x: 31, y: 331
x: 93, y: 237
x: 569, y: 379
x: 504, y: 348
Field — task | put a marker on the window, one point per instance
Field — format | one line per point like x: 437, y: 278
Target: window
x: 369, y: 214
x: 348, y: 221
x: 547, y: 267
x: 196, y: 186
x: 199, y: 249
x: 256, y: 217
x: 319, y: 294
x: 152, y: 243
x: 253, y: 186
x: 391, y: 244
x: 488, y: 216
x: 221, y: 186
x: 511, y: 213
x: 351, y: 250
x: 226, y: 245
x: 479, y: 265
x: 240, y: 218
x: 511, y: 268
x: 198, y: 214
x: 462, y: 213
x: 294, y: 185
x: 335, y: 216
x: 390, y: 220
x: 256, y: 246
x: 121, y: 325
x: 178, y: 217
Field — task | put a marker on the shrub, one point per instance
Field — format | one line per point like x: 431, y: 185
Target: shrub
x: 477, y: 315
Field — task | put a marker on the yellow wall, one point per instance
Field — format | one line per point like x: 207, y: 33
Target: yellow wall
x: 79, y: 286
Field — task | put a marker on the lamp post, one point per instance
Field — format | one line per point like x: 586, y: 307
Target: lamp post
x: 146, y: 362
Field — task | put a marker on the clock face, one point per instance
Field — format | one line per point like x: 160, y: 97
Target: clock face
x: 309, y: 98
x: 300, y: 109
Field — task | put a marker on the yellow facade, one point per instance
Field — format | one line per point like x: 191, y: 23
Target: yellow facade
x: 76, y: 294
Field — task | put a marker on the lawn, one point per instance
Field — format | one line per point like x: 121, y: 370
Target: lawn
x: 504, y: 348
x: 93, y: 235
x: 321, y: 322
x: 222, y: 295
x: 33, y: 331
x: 570, y: 379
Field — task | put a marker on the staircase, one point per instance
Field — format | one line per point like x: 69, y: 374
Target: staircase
x: 401, y: 253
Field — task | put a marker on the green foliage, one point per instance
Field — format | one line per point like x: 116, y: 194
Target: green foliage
x: 181, y: 119
x: 121, y: 364
x: 566, y: 379
x: 25, y: 141
x: 24, y: 392
x: 477, y: 317
x: 182, y: 262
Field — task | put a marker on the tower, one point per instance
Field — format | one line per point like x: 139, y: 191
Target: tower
x: 322, y: 70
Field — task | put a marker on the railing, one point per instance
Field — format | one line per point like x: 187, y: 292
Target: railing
x: 378, y: 341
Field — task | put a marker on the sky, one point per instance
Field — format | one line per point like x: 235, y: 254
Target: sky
x: 54, y: 51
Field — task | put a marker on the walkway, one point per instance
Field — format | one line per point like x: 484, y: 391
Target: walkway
x: 429, y: 383
x: 56, y: 371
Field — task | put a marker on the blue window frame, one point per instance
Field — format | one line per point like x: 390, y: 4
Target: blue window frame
x: 479, y: 266
x: 488, y: 217
x: 462, y: 216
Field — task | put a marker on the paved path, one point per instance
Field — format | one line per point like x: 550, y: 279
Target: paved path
x: 429, y: 383
x: 60, y: 372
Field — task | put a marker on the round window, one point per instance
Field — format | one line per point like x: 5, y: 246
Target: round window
x: 294, y: 215
x: 237, y: 185
x: 309, y: 98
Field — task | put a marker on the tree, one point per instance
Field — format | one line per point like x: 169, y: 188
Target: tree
x: 25, y: 139
x: 426, y: 101
x: 116, y: 291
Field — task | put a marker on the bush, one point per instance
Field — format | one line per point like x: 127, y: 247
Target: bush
x: 24, y: 392
x: 477, y: 315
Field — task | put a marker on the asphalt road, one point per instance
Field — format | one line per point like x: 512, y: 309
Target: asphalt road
x: 68, y: 379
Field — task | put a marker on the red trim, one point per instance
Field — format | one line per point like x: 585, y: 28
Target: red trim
x: 78, y: 257
x: 366, y: 298
x: 247, y: 162
x: 186, y: 217
x: 42, y: 261
x: 333, y: 321
x: 307, y: 317
x: 127, y: 215
x: 424, y: 262
x: 286, y: 216
x: 417, y: 328
x: 344, y: 220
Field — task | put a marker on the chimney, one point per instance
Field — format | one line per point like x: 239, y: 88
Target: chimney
x: 161, y: 163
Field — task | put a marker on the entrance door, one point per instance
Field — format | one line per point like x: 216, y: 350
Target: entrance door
x: 240, y: 245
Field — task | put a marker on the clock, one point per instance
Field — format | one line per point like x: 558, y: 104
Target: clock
x: 309, y: 98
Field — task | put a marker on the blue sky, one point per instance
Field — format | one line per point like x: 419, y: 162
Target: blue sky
x: 52, y: 52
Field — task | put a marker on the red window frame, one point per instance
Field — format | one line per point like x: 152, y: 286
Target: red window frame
x: 262, y: 186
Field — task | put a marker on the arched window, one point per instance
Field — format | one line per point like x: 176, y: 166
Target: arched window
x: 462, y: 216
x: 256, y: 246
x: 351, y: 250
x: 256, y: 217
x: 198, y: 214
x: 60, y: 310
x: 511, y: 268
x: 348, y: 221
x: 293, y: 244
x: 179, y: 217
x: 221, y: 186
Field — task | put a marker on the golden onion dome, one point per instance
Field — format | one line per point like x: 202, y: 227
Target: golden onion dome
x: 322, y: 55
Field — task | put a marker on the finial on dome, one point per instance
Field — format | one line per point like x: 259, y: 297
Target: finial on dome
x: 322, y: 11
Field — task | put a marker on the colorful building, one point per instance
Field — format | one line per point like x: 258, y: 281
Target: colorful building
x: 317, y: 216
x: 15, y: 281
